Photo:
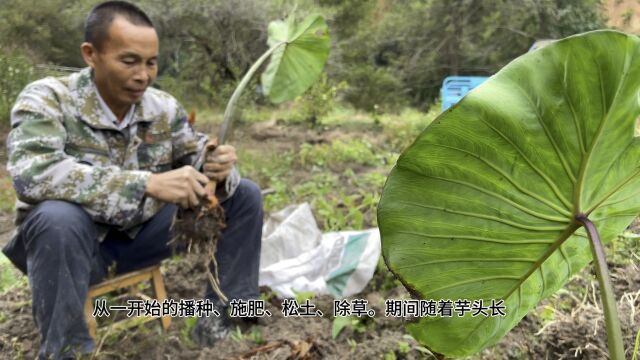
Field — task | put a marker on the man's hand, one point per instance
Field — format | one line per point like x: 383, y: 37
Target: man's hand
x: 218, y: 163
x: 183, y: 186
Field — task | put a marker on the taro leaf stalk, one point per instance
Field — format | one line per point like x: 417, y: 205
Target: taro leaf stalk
x: 488, y: 204
x: 297, y: 53
x: 614, y: 333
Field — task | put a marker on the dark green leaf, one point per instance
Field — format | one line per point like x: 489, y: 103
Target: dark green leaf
x: 482, y: 205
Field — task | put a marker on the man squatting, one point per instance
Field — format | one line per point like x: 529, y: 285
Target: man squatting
x: 99, y: 161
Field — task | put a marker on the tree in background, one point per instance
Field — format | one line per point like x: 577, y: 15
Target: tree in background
x: 390, y: 53
x: 208, y: 45
x: 50, y: 31
x: 408, y: 48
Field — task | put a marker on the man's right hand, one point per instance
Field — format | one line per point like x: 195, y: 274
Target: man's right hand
x: 184, y: 186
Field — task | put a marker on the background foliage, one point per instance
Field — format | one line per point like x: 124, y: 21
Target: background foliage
x: 386, y: 54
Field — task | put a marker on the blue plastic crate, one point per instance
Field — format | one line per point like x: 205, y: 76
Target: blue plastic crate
x: 455, y: 88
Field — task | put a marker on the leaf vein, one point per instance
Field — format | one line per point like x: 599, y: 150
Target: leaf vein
x: 508, y: 201
x: 561, y: 157
x: 580, y: 134
x: 488, y: 217
x: 506, y: 176
x: 479, y: 238
x: 467, y: 281
x: 444, y: 261
x: 605, y: 115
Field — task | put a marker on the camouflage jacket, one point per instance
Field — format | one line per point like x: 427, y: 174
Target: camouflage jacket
x: 61, y: 148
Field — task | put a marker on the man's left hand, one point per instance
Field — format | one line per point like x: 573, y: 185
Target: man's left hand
x: 219, y: 162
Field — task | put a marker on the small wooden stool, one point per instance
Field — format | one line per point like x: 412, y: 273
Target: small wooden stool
x: 124, y: 281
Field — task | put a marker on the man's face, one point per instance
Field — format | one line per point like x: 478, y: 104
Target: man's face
x: 126, y: 64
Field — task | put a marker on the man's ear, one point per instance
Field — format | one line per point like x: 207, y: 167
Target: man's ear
x: 89, y: 53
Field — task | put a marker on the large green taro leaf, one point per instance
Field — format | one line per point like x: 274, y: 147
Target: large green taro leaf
x: 296, y: 65
x: 482, y: 204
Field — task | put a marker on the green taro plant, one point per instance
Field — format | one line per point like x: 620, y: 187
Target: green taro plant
x: 297, y: 53
x: 506, y: 195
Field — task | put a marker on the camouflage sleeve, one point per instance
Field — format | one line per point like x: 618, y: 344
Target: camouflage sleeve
x: 188, y: 149
x: 41, y: 170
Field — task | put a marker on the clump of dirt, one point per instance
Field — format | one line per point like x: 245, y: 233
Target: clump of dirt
x: 200, y: 230
x: 579, y: 331
x: 18, y: 332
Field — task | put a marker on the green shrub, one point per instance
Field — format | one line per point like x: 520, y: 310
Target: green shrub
x: 17, y: 71
x: 373, y: 87
x: 317, y: 101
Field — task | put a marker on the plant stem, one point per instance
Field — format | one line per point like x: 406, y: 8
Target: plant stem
x: 231, y: 105
x: 614, y: 332
x: 635, y: 348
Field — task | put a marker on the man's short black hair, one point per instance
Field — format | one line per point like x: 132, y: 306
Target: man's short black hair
x: 96, y: 27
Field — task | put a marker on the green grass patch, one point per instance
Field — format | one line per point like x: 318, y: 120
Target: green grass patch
x: 187, y: 328
x: 337, y: 204
x: 9, y: 275
x: 286, y: 113
x: 264, y: 167
x: 403, y: 128
x: 7, y: 195
x: 623, y: 248
x: 340, y: 154
x: 343, y: 115
x: 341, y: 179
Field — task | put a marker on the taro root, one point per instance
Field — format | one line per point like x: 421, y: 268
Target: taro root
x: 200, y: 230
x: 300, y: 51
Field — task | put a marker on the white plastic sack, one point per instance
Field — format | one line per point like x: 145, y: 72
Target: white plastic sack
x: 296, y: 257
x: 288, y: 233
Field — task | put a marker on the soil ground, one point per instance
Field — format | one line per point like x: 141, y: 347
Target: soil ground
x: 569, y: 325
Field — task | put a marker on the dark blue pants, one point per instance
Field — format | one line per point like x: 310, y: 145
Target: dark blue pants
x: 64, y: 257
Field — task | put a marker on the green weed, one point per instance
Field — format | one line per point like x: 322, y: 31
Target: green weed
x: 352, y: 344
x: 236, y: 335
x: 185, y: 332
x: 620, y: 248
x: 254, y: 335
x: 358, y: 325
x: 303, y: 296
x: 267, y: 296
x: 339, y: 202
x: 339, y: 154
x: 390, y: 356
x: 264, y: 168
x: 547, y: 314
x: 317, y: 102
x: 281, y: 196
x: 404, y: 347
